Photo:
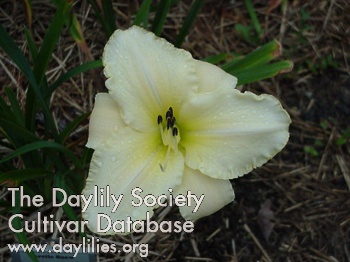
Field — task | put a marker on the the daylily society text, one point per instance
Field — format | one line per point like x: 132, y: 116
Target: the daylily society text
x: 102, y: 197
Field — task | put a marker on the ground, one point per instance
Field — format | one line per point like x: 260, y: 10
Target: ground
x: 294, y: 208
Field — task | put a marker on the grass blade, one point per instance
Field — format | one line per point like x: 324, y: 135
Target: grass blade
x: 100, y: 17
x: 109, y: 15
x: 141, y: 18
x: 261, y: 55
x: 161, y: 14
x: 215, y: 59
x: 189, y: 20
x: 260, y: 72
x: 41, y: 145
x: 75, y: 71
x: 15, y: 107
x: 11, y: 49
x: 254, y: 17
x: 17, y: 224
x: 72, y: 126
x: 49, y: 43
x: 18, y: 176
x: 28, y: 7
x: 31, y: 44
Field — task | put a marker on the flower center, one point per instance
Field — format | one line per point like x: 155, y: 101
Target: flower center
x: 170, y: 134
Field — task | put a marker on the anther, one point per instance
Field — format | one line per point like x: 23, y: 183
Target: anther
x: 168, y: 123
x: 173, y: 120
x: 175, y: 131
x: 160, y: 119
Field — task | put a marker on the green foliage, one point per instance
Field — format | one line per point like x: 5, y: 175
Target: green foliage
x: 105, y: 16
x: 190, y: 18
x: 345, y: 137
x: 251, y: 33
x: 321, y: 64
x: 45, y: 158
x: 257, y: 65
x: 311, y: 150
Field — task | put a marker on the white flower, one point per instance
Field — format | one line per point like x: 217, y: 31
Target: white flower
x: 172, y: 122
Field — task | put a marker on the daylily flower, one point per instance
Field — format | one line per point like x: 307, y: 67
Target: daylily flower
x: 172, y: 122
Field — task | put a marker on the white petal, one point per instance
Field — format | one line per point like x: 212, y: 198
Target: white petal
x: 127, y: 160
x: 213, y: 78
x: 217, y: 193
x: 147, y: 75
x: 104, y: 120
x: 227, y: 134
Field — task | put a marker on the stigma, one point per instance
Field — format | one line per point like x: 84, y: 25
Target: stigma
x: 170, y: 134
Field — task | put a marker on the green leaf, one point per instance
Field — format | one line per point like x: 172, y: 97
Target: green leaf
x: 18, y: 135
x: 75, y: 71
x: 141, y: 18
x: 15, y: 107
x: 311, y: 150
x: 109, y: 15
x: 253, y: 74
x: 261, y: 55
x: 49, y: 43
x: 28, y: 7
x: 15, y: 133
x: 86, y: 156
x: 12, y: 50
x: 41, y: 145
x: 101, y: 18
x: 189, y: 20
x: 161, y: 14
x: 31, y: 44
x: 17, y: 224
x: 39, y: 69
x: 216, y: 59
x: 60, y: 182
x: 254, y: 17
x: 72, y: 126
x: 18, y: 176
x: 75, y: 29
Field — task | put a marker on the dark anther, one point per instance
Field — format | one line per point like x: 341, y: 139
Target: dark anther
x: 173, y: 120
x: 175, y: 131
x: 168, y: 123
x: 160, y: 119
x: 169, y: 113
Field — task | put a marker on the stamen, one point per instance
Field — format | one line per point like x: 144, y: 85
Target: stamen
x: 175, y: 131
x: 160, y: 119
x: 170, y: 135
x: 169, y: 113
x: 168, y: 123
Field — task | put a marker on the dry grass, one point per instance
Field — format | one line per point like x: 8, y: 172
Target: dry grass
x: 294, y: 208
